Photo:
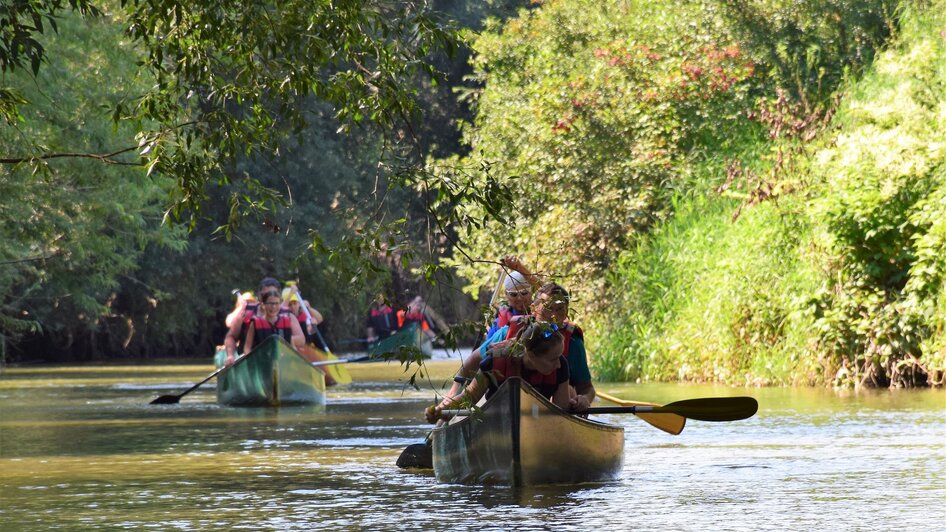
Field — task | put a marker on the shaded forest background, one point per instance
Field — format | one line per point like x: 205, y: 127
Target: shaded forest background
x: 749, y: 192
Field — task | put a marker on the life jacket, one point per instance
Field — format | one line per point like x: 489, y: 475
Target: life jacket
x: 303, y: 324
x: 506, y: 313
x: 248, y: 312
x: 404, y: 317
x: 382, y: 320
x: 265, y: 329
x: 506, y: 365
x: 567, y: 329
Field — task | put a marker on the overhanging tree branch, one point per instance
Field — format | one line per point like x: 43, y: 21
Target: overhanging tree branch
x: 103, y: 157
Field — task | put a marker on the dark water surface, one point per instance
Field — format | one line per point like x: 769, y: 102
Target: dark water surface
x: 81, y: 448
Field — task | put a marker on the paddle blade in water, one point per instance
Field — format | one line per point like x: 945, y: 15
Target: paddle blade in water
x: 167, y: 400
x: 417, y: 456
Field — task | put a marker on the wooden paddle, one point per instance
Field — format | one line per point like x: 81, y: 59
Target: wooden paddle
x: 338, y: 373
x: 708, y: 409
x: 176, y: 398
x: 669, y: 423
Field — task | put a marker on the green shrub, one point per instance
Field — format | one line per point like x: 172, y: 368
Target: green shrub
x: 704, y: 298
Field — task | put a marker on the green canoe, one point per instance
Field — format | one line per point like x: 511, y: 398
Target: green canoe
x: 273, y: 374
x: 411, y: 335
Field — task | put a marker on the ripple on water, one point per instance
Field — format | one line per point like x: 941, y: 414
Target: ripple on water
x: 98, y: 456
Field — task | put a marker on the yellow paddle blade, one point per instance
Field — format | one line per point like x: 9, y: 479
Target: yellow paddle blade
x: 333, y: 372
x: 669, y: 423
x: 337, y: 371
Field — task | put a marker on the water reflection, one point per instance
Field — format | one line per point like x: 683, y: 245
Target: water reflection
x: 89, y: 452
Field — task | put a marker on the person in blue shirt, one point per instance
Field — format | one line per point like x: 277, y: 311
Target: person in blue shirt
x: 549, y: 304
x: 535, y: 355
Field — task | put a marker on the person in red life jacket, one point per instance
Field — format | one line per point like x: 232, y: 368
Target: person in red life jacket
x: 416, y: 313
x: 550, y: 304
x: 536, y: 356
x: 236, y: 334
x: 276, y: 320
x: 518, y: 286
x: 381, y: 322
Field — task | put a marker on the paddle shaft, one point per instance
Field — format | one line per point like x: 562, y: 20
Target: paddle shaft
x: 174, y: 398
x: 499, y: 284
x: 315, y: 326
x: 327, y: 362
x: 709, y: 409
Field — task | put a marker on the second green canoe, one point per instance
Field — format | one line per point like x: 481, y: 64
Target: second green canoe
x: 273, y: 374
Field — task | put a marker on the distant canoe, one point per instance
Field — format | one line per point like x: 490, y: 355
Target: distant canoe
x: 410, y: 336
x: 273, y: 374
x: 519, y: 438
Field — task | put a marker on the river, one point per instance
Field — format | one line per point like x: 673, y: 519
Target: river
x: 81, y: 448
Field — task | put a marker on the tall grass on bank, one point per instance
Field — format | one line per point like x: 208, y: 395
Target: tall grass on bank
x: 840, y: 283
x: 706, y: 299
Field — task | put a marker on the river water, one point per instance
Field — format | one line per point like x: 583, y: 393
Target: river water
x: 81, y: 448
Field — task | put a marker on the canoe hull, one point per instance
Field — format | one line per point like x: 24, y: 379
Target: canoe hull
x: 274, y: 374
x: 521, y: 439
x: 410, y: 336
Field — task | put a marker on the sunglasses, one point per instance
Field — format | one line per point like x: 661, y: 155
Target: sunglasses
x: 272, y: 303
x: 515, y: 293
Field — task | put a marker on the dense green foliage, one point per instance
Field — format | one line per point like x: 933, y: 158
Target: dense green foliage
x: 603, y: 109
x: 197, y: 113
x: 839, y: 282
x: 747, y: 191
x: 72, y: 234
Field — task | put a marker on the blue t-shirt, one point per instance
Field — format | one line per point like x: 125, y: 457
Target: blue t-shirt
x: 577, y: 359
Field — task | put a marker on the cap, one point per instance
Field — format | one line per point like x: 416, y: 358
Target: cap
x: 514, y: 280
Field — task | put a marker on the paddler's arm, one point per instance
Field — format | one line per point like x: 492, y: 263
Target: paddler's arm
x: 230, y: 340
x: 237, y: 313
x: 562, y: 398
x: 467, y: 371
x: 470, y: 396
x: 298, y: 337
x: 513, y: 263
x: 584, y: 396
x: 250, y: 333
x: 581, y: 376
